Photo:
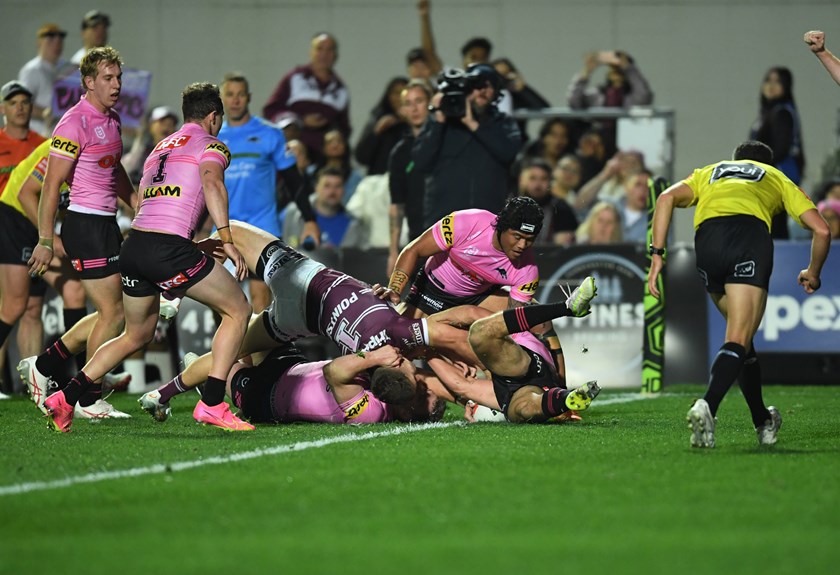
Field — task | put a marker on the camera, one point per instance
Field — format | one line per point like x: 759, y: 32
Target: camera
x: 455, y: 85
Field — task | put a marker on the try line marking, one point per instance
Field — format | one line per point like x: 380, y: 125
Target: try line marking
x: 160, y: 468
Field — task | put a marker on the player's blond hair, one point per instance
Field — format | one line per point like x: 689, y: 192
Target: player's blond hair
x: 89, y: 66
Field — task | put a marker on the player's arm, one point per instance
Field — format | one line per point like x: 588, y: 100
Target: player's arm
x: 463, y: 386
x: 300, y: 190
x: 216, y: 197
x: 58, y: 170
x: 820, y: 244
x: 125, y: 189
x: 424, y: 246
x: 341, y: 372
x: 677, y: 196
x: 816, y: 42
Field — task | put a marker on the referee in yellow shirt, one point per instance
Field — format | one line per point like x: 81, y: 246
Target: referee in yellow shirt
x: 736, y: 200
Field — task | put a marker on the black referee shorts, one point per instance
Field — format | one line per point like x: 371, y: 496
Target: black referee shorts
x: 734, y: 250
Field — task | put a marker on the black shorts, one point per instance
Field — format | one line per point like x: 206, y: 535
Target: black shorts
x: 92, y: 243
x: 539, y: 375
x: 151, y: 262
x: 18, y: 238
x: 734, y: 250
x: 252, y: 388
x: 429, y: 295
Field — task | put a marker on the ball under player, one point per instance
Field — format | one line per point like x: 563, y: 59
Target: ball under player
x: 736, y: 200
x: 309, y: 298
x: 183, y: 173
x: 472, y: 252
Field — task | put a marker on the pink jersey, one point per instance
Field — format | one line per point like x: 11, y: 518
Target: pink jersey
x: 171, y: 194
x: 93, y: 141
x: 470, y: 264
x: 529, y: 341
x: 302, y: 394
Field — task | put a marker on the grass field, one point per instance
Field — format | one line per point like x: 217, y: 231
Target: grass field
x: 620, y: 492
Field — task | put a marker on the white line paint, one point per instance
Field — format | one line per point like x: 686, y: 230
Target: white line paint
x: 216, y: 460
x: 623, y: 398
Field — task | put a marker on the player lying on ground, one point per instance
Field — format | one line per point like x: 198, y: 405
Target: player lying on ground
x: 309, y: 298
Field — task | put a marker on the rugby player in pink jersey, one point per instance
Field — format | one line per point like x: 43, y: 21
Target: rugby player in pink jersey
x: 309, y: 298
x: 382, y: 386
x: 85, y: 153
x: 471, y: 253
x: 183, y: 174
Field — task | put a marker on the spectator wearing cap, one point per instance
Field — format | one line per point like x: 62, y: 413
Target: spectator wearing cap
x: 162, y: 122
x: 95, y: 26
x: 40, y: 73
x: 467, y: 160
x: 316, y: 94
x: 16, y: 139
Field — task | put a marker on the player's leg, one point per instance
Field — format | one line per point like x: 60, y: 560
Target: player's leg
x: 30, y: 336
x: 14, y: 295
x: 260, y: 294
x: 250, y: 241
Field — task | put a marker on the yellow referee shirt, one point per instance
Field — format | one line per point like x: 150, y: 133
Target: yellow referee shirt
x: 745, y: 187
x: 35, y: 165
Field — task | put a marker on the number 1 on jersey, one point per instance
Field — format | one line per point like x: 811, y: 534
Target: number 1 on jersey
x: 160, y: 176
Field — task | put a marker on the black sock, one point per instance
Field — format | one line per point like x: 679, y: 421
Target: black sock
x: 214, y: 391
x: 749, y: 381
x: 525, y: 317
x: 90, y: 396
x: 554, y: 401
x: 52, y: 361
x: 5, y: 330
x: 72, y: 316
x: 77, y: 388
x: 725, y: 369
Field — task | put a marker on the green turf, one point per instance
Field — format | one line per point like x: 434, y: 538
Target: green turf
x: 620, y: 492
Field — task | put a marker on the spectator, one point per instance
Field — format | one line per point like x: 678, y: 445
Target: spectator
x: 816, y: 43
x: 625, y: 86
x: 633, y: 207
x: 427, y: 39
x: 601, y: 226
x: 830, y: 211
x: 559, y: 221
x: 566, y: 179
x: 407, y: 184
x: 316, y: 94
x: 291, y: 125
x: 338, y: 227
x: 337, y: 156
x: 95, y: 26
x: 162, y: 123
x: 40, y: 73
x: 417, y: 65
x: 829, y: 189
x: 383, y: 130
x: 609, y: 183
x: 16, y: 139
x: 778, y: 126
x: 523, y: 97
x: 467, y: 160
x: 553, y: 142
x: 366, y: 206
x: 592, y: 154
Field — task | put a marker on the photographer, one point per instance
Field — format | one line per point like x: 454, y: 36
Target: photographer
x: 466, y: 146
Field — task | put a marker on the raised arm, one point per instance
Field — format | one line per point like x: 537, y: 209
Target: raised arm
x: 424, y: 246
x: 427, y: 39
x: 816, y: 42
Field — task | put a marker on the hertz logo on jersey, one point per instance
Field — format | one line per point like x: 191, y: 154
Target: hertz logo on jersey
x: 158, y: 191
x: 219, y: 148
x: 65, y: 147
x: 447, y: 229
x: 357, y: 408
x: 530, y: 287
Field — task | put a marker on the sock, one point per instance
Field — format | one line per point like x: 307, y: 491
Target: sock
x: 53, y: 359
x: 173, y: 388
x: 90, y: 396
x: 725, y: 368
x: 5, y: 330
x: 524, y: 318
x: 554, y: 401
x: 214, y: 391
x: 749, y: 381
x: 72, y: 316
x: 77, y: 387
x: 137, y: 369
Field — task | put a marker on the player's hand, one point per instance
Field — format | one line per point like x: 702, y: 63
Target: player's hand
x: 40, y: 260
x: 653, y: 275
x: 809, y: 280
x: 310, y: 230
x: 467, y: 370
x: 58, y: 248
x: 469, y: 411
x: 213, y: 248
x: 815, y: 40
x: 385, y: 356
x: 386, y: 294
x: 233, y: 254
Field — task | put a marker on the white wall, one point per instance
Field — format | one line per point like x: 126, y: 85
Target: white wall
x: 705, y: 58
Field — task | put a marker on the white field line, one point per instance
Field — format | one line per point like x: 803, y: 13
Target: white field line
x: 623, y: 398
x: 159, y: 468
